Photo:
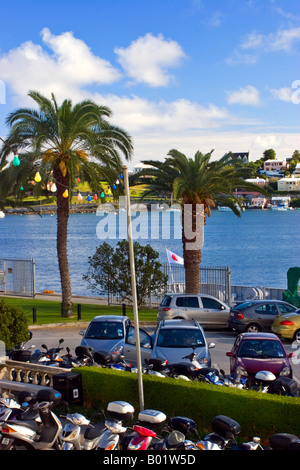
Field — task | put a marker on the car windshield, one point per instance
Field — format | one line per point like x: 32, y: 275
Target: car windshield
x: 105, y: 330
x: 180, y: 338
x: 261, y: 349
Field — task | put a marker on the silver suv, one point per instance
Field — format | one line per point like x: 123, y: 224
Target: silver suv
x: 206, y: 309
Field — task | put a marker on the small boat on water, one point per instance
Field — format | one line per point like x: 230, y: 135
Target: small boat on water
x: 281, y: 207
x: 224, y: 209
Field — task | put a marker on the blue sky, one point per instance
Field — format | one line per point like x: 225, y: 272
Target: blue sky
x: 185, y: 74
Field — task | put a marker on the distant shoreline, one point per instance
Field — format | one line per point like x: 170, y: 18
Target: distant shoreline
x: 82, y: 209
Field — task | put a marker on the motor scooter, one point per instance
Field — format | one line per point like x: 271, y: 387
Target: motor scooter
x: 112, y: 361
x: 145, y: 433
x: 20, y: 353
x: 176, y: 440
x: 75, y: 438
x: 8, y: 408
x: 179, y: 429
x: 112, y: 437
x: 20, y: 434
x: 50, y: 357
x: 12, y: 409
x: 262, y: 381
x: 223, y: 435
x: 83, y: 357
x: 283, y: 441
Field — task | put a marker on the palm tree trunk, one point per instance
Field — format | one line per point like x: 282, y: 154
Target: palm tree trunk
x: 191, y: 247
x: 61, y: 243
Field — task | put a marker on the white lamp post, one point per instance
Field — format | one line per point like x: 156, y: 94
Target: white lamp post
x: 133, y: 286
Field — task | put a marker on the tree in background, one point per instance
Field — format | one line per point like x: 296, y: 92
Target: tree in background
x: 109, y: 271
x: 196, y: 182
x: 269, y: 154
x: 60, y: 144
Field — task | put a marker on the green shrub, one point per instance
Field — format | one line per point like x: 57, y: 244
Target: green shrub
x: 13, y: 325
x: 257, y: 413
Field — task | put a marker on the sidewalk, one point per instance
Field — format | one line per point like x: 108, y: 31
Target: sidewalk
x: 76, y: 299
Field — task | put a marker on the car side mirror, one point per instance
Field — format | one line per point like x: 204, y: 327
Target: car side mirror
x: 229, y: 354
x: 291, y: 355
x: 211, y: 345
x: 81, y: 333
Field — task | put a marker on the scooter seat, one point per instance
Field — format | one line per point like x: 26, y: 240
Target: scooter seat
x: 28, y: 424
x: 95, y: 431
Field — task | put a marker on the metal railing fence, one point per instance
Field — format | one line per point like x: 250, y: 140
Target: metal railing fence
x: 214, y: 281
x: 17, y: 277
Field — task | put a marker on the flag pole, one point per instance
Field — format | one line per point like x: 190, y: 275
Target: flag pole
x: 133, y: 286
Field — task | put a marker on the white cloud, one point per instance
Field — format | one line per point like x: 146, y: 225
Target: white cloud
x: 252, y: 41
x: 156, y: 126
x: 140, y: 115
x: 282, y: 94
x: 69, y: 66
x: 248, y: 95
x: 256, y: 44
x: 216, y: 19
x: 157, y: 146
x: 148, y: 59
x: 283, y: 40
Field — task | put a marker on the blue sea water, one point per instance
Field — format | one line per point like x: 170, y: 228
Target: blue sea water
x: 259, y: 247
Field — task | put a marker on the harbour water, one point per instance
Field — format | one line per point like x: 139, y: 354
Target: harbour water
x: 259, y: 247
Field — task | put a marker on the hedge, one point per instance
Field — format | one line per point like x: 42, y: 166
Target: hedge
x: 13, y: 325
x: 259, y: 414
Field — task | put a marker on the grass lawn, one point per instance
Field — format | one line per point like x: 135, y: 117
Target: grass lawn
x: 48, y: 311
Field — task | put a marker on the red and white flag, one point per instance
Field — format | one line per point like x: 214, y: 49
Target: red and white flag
x: 172, y: 258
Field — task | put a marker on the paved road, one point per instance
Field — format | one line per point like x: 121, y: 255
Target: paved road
x: 222, y: 339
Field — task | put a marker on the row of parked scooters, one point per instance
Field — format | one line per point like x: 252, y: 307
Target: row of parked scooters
x: 190, y: 369
x: 31, y: 424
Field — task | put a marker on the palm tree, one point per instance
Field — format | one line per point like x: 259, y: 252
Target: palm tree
x: 199, y: 184
x: 62, y: 143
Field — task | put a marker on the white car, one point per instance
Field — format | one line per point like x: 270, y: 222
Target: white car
x: 206, y: 309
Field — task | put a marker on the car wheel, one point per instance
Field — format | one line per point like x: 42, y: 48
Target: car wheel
x: 253, y: 328
x: 297, y: 336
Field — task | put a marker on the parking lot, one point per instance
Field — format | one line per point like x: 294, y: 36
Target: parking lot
x: 223, y: 339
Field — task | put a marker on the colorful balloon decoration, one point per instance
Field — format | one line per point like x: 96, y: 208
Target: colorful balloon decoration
x: 16, y: 161
x: 79, y: 197
x: 37, y: 177
x: 89, y: 198
x: 66, y: 194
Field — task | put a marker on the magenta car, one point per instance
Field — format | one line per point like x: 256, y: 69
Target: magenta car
x: 253, y: 352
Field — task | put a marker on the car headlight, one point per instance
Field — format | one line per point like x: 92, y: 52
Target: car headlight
x: 285, y: 371
x: 202, y: 360
x: 117, y: 350
x: 241, y: 371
